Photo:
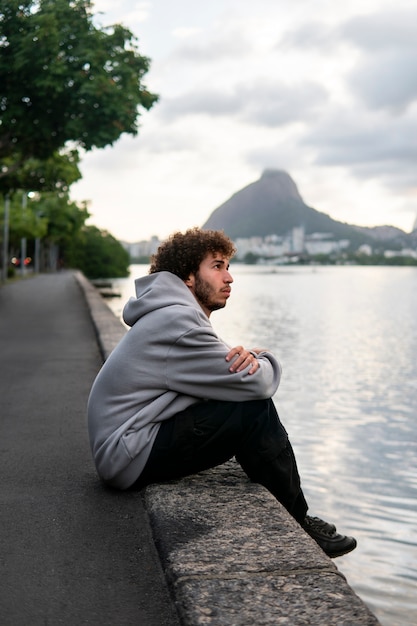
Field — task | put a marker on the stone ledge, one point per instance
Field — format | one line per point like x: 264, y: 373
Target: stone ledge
x: 109, y: 329
x: 234, y: 556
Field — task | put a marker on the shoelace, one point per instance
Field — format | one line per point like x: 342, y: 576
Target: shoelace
x: 316, y: 524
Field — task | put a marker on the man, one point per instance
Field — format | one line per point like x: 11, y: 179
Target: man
x: 173, y: 399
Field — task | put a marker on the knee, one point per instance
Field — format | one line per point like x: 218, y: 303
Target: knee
x: 264, y: 413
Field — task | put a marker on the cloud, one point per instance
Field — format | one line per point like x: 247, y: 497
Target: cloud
x: 370, y: 146
x: 277, y: 104
x: 387, y: 80
x: 281, y: 155
x: 371, y: 32
x: 385, y: 76
x: 313, y: 34
x: 223, y: 46
x: 371, y: 129
x: 165, y: 143
x: 382, y: 49
x: 260, y: 102
x: 382, y: 30
x: 205, y: 101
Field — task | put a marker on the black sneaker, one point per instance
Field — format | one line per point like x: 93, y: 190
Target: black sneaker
x: 329, y: 540
x: 316, y: 522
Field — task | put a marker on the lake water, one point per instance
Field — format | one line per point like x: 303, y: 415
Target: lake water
x: 347, y: 340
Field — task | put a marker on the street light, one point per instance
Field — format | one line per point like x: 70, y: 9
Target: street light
x: 5, y: 238
x: 23, y: 245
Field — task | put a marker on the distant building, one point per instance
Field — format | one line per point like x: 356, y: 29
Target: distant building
x: 296, y: 242
x: 405, y: 252
x: 323, y: 243
x: 142, y: 248
x: 275, y: 249
x: 365, y: 249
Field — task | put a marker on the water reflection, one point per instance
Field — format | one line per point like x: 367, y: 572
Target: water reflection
x: 347, y: 339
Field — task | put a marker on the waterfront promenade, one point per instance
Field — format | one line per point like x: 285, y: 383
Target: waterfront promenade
x: 74, y: 552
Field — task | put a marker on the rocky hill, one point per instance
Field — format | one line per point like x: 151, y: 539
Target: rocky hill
x: 273, y: 205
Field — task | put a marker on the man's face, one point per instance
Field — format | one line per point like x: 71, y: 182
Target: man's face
x: 211, y: 284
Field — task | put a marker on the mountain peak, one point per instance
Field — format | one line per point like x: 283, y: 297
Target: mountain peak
x: 272, y: 173
x: 267, y: 206
x: 283, y: 184
x: 272, y: 205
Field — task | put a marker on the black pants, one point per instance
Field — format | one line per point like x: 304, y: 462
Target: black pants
x: 210, y: 433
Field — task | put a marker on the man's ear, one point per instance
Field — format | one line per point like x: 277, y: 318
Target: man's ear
x: 190, y: 281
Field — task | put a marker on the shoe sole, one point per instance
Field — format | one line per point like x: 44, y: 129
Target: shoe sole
x: 334, y: 555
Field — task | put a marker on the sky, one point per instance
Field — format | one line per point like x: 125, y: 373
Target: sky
x: 324, y: 90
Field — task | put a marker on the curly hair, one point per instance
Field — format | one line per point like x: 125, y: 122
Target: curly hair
x: 182, y: 253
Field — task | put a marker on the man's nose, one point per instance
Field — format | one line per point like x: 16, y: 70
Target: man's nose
x: 228, y: 278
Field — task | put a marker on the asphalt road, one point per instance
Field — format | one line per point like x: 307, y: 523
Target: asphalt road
x: 72, y: 552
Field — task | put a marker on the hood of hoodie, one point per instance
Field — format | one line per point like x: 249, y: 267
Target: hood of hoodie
x: 157, y: 291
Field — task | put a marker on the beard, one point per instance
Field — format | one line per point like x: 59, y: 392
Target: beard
x: 206, y: 295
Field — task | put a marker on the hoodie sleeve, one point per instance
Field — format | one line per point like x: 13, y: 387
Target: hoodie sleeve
x: 197, y: 366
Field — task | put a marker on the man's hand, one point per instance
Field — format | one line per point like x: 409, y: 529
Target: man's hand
x: 242, y: 359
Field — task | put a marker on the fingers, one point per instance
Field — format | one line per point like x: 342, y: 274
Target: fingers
x: 234, y: 351
x: 255, y: 365
x: 242, y: 359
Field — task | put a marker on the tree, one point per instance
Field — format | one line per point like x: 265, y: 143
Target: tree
x: 65, y: 220
x: 55, y: 173
x: 251, y: 258
x: 49, y: 216
x: 64, y: 80
x: 98, y: 254
x: 65, y: 85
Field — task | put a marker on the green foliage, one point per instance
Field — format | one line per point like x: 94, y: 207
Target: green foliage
x: 56, y: 173
x: 401, y: 260
x: 64, y: 218
x: 51, y: 217
x: 66, y: 241
x: 323, y: 259
x: 98, y: 254
x: 251, y: 258
x: 64, y: 80
x: 65, y: 86
x: 141, y: 260
x: 26, y: 220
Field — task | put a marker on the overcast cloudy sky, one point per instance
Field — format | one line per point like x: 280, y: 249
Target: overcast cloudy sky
x: 325, y: 90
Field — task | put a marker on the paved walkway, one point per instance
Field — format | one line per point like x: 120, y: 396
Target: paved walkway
x: 71, y: 551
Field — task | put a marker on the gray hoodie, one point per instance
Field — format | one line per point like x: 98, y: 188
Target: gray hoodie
x: 170, y: 359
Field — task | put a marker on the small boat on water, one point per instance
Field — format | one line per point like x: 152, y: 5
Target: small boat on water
x: 109, y: 293
x: 106, y: 289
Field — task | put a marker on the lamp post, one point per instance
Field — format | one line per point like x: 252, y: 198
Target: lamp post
x: 5, y: 264
x: 23, y: 245
x: 36, y: 266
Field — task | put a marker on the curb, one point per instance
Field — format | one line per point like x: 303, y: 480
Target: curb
x: 109, y: 330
